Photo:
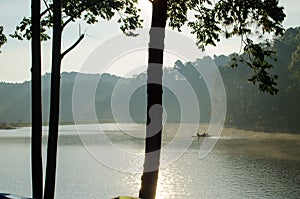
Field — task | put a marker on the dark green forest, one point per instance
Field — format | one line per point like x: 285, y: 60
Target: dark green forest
x: 247, y: 107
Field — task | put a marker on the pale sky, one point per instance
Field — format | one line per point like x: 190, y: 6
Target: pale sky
x: 15, y: 57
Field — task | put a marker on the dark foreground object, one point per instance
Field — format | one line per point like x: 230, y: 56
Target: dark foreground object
x: 11, y: 196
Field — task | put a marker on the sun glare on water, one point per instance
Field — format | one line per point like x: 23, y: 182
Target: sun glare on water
x: 166, y: 183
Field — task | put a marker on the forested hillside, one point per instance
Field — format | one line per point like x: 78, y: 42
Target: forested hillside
x: 247, y: 107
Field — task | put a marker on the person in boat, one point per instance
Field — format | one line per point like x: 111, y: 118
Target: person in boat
x: 202, y: 135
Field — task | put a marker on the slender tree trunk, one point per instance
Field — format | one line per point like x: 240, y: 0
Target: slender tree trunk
x: 36, y: 103
x: 154, y: 94
x: 54, y: 102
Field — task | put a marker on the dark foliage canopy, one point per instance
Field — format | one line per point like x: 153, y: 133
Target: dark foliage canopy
x: 90, y: 11
x: 3, y: 39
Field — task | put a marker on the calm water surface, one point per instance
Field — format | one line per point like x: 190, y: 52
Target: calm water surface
x: 222, y: 174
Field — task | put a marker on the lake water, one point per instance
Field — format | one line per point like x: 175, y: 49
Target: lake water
x: 231, y: 170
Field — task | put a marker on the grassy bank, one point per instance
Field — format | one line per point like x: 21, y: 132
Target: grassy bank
x: 6, y: 126
x: 26, y: 124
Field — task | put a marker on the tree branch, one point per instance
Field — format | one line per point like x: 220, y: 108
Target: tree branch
x: 73, y: 46
x: 48, y: 8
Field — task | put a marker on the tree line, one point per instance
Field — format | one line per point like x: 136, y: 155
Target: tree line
x: 247, y: 107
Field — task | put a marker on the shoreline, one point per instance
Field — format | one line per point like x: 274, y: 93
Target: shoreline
x: 257, y: 145
x: 15, y: 125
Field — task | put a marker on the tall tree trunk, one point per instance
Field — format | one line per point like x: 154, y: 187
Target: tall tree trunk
x: 54, y: 102
x: 154, y: 95
x: 36, y: 103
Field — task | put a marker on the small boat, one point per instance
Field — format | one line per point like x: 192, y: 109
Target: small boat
x: 201, y: 135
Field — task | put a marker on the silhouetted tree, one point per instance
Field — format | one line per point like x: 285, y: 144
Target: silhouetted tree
x: 54, y: 102
x: 55, y: 81
x: 58, y: 14
x: 154, y: 98
x: 36, y: 103
x: 226, y: 17
x: 3, y: 38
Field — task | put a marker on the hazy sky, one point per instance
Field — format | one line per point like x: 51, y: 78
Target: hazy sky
x: 15, y: 56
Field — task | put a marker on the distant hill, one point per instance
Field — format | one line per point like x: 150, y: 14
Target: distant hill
x: 247, y: 107
x: 15, y: 98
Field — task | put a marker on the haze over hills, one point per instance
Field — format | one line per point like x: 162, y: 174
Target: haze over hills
x: 247, y: 107
x: 15, y: 98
